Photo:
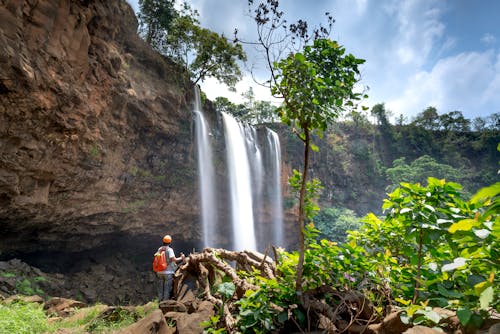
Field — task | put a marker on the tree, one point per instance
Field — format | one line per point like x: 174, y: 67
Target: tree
x: 333, y: 223
x: 239, y: 111
x: 202, y: 52
x: 380, y: 113
x: 316, y: 85
x: 155, y: 20
x: 420, y: 169
x: 454, y: 121
x: 428, y: 119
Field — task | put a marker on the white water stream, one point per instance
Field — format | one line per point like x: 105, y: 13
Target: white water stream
x: 206, y: 174
x: 252, y: 185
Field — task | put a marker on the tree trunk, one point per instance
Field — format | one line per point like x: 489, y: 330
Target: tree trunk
x: 301, y: 218
x: 417, y: 279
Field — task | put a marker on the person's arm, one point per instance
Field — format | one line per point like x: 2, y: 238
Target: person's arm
x: 176, y: 259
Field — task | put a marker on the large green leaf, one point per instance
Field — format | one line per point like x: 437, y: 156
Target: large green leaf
x: 464, y: 315
x: 463, y: 225
x: 486, y: 298
x: 487, y: 192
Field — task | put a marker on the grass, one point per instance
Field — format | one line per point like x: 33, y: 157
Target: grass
x: 23, y: 318
x: 30, y: 318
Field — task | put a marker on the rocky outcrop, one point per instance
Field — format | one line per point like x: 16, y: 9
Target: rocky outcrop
x: 96, y: 157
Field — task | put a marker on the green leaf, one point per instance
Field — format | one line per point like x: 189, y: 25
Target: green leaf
x: 487, y: 192
x: 405, y: 319
x: 226, y: 289
x: 464, y: 315
x: 282, y: 317
x: 486, y: 298
x: 432, y: 316
x: 448, y: 293
x: 463, y: 225
x: 314, y: 148
x: 429, y: 207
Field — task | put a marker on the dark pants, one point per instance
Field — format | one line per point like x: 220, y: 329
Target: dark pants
x: 165, y: 282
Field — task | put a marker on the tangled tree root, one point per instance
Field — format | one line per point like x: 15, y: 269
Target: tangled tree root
x: 345, y: 312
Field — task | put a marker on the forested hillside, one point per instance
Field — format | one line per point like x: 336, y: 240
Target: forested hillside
x: 358, y: 162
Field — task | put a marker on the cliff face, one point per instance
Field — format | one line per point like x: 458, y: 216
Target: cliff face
x: 95, y: 135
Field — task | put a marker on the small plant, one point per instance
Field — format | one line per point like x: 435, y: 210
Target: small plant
x: 8, y: 274
x: 112, y: 319
x: 211, y: 326
x: 255, y: 315
x: 95, y: 151
x: 23, y: 318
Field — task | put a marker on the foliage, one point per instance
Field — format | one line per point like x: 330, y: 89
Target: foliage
x: 443, y: 251
x: 177, y: 34
x: 155, y: 20
x: 333, y: 223
x: 255, y: 313
x: 251, y: 111
x: 212, y: 326
x: 312, y: 191
x: 118, y: 318
x: 316, y: 85
x: 21, y: 318
x: 420, y: 169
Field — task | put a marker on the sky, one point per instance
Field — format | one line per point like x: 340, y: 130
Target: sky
x: 419, y: 53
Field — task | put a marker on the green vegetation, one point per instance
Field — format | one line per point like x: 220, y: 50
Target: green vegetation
x: 29, y: 288
x: 420, y: 169
x: 316, y: 84
x: 30, y: 318
x: 23, y: 318
x: 177, y: 34
x: 432, y: 249
x: 95, y: 151
x: 333, y: 223
x: 250, y: 111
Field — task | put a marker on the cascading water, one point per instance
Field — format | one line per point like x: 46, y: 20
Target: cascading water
x: 206, y: 174
x: 240, y: 185
x: 248, y: 177
x: 275, y: 189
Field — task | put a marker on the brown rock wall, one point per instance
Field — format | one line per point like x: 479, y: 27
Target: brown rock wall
x: 95, y: 132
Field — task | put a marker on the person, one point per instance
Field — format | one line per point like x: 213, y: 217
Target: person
x: 166, y: 277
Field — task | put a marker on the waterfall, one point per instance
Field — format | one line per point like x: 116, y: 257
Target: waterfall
x: 240, y: 185
x: 248, y: 178
x: 206, y: 175
x: 275, y: 189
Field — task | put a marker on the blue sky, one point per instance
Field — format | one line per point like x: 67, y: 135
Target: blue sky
x: 419, y: 53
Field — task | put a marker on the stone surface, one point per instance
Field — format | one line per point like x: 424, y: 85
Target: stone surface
x: 189, y: 323
x: 154, y: 324
x: 62, y: 307
x: 96, y: 153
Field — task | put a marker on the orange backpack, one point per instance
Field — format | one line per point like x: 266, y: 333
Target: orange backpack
x: 160, y: 261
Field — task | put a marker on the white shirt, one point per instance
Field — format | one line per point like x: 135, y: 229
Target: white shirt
x: 172, y: 266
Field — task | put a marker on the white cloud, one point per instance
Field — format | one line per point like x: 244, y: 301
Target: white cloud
x: 213, y: 89
x: 488, y: 39
x: 469, y: 81
x: 419, y: 27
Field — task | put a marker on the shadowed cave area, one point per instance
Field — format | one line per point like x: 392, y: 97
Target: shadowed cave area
x: 117, y: 271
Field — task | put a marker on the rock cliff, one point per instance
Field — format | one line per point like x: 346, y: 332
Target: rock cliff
x: 96, y: 148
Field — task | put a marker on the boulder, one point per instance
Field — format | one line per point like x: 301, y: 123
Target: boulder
x: 62, y: 307
x: 154, y: 323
